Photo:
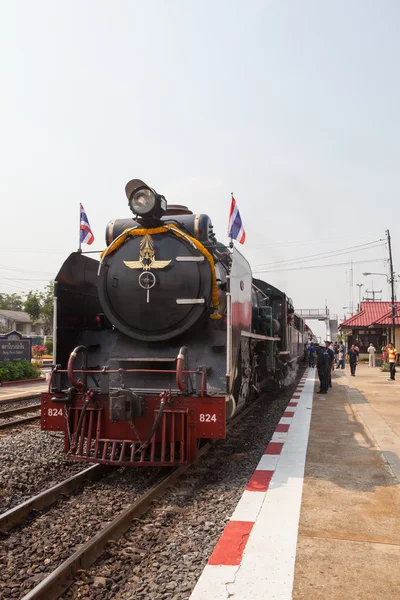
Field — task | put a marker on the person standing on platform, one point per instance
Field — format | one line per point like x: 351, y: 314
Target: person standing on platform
x: 336, y: 352
x: 341, y: 359
x: 392, y: 356
x: 371, y: 352
x: 311, y: 355
x: 353, y: 357
x: 332, y: 347
x: 323, y: 368
x: 384, y: 354
x: 342, y: 347
x: 331, y: 360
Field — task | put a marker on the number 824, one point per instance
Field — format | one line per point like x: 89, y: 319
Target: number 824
x: 54, y: 412
x: 207, y: 418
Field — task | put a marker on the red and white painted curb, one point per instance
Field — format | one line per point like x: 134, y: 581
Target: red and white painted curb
x: 255, y: 555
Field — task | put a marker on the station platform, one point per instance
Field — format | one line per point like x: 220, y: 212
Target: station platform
x: 22, y: 390
x: 320, y: 516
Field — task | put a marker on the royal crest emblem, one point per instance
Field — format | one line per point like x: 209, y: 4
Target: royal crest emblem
x: 147, y: 258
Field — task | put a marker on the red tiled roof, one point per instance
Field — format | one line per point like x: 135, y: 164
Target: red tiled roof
x: 372, y: 313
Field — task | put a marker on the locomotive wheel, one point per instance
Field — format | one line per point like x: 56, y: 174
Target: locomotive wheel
x: 241, y: 387
x: 254, y: 386
x: 255, y: 380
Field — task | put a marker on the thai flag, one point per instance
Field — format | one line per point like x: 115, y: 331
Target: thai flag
x: 235, y: 228
x: 87, y: 236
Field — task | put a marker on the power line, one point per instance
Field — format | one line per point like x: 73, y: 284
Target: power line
x: 19, y: 270
x: 33, y: 251
x: 303, y: 242
x: 333, y: 255
x: 355, y: 262
x: 21, y: 279
x: 337, y: 252
x: 17, y: 287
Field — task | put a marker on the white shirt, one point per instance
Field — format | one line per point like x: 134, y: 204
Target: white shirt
x: 371, y: 350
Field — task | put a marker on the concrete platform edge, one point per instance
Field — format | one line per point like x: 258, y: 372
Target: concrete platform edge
x: 267, y: 520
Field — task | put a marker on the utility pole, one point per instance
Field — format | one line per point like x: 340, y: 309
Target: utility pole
x: 327, y: 324
x: 359, y: 285
x: 351, y: 288
x: 391, y: 281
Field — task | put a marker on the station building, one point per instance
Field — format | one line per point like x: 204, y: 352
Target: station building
x: 372, y: 324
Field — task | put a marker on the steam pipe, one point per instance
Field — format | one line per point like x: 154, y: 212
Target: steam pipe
x: 70, y: 368
x: 180, y: 361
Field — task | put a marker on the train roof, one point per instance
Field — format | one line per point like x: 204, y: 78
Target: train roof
x: 269, y: 290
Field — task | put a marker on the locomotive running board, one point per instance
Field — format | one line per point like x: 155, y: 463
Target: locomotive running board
x: 258, y: 336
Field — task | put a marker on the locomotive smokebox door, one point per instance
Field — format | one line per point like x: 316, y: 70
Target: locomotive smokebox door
x: 125, y: 405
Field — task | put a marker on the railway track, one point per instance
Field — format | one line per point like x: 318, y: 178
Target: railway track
x: 61, y: 578
x: 20, y: 399
x: 17, y: 514
x: 63, y: 575
x: 12, y: 412
x: 58, y: 581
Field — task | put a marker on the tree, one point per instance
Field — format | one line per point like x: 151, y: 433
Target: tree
x: 39, y: 305
x: 33, y: 306
x: 11, y: 302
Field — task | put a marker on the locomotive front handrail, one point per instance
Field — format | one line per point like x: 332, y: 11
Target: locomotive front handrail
x: 120, y: 371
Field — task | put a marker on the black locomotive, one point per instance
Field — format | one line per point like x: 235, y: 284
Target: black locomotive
x: 174, y: 336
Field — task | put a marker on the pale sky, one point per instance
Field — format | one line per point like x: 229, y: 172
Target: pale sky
x: 292, y: 105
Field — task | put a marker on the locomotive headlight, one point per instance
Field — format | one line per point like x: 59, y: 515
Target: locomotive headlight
x: 144, y: 201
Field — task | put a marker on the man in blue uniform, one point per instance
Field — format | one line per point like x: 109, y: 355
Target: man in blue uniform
x: 311, y: 355
x: 331, y: 358
x: 324, y: 369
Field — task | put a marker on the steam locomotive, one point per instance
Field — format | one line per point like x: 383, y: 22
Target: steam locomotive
x: 173, y: 335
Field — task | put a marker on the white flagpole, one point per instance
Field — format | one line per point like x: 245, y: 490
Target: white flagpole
x: 80, y: 245
x: 231, y: 242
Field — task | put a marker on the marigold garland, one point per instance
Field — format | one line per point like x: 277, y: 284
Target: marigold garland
x: 176, y: 231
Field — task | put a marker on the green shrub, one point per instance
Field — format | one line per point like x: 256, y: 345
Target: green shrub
x: 49, y: 347
x: 14, y: 370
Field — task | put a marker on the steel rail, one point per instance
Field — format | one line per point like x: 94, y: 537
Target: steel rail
x: 4, y: 414
x: 55, y: 584
x: 16, y: 515
x: 61, y: 578
x: 15, y: 422
x: 29, y: 396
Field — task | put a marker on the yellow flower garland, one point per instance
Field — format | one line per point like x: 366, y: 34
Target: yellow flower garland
x: 181, y: 234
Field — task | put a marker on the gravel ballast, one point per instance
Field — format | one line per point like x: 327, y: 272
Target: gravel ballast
x: 163, y: 554
x: 18, y: 402
x: 33, y: 550
x: 31, y: 460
